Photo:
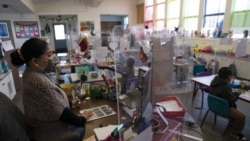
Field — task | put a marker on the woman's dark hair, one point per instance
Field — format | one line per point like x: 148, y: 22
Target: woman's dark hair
x: 225, y: 72
x: 32, y: 48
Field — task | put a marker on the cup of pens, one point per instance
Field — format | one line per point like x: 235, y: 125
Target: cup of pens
x: 85, y: 89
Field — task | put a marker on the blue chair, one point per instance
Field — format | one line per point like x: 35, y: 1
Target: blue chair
x: 202, y: 87
x: 198, y: 68
x: 218, y: 106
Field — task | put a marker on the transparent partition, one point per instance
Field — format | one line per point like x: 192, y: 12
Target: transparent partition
x: 172, y: 64
x: 131, y: 71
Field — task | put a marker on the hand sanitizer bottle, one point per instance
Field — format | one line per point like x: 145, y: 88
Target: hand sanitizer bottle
x: 5, y: 66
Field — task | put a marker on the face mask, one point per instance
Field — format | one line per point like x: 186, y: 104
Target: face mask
x: 51, y: 66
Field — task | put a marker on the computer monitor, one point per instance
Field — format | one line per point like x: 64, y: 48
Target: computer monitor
x: 62, y: 57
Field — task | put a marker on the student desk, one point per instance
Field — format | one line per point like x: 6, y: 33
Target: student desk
x: 206, y: 80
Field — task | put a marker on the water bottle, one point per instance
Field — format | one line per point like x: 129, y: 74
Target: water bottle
x: 1, y: 70
x: 5, y: 66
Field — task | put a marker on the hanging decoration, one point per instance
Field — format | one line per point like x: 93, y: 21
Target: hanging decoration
x: 26, y: 29
x: 47, y: 28
x: 83, y: 43
x: 58, y: 18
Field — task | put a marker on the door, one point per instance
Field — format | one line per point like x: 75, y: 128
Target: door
x: 60, y: 37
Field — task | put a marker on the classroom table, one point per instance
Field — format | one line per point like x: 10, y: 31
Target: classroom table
x: 206, y: 80
x: 181, y: 70
x: 179, y: 127
x: 105, y: 121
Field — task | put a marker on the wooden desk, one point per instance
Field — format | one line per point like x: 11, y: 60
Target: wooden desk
x: 90, y: 125
x: 206, y: 80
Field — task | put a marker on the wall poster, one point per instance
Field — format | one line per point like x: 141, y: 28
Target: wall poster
x: 26, y: 29
x: 87, y: 25
x: 4, y: 33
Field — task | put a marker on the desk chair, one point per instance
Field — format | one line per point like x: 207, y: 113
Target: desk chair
x: 12, y: 122
x: 202, y: 87
x: 218, y: 106
x: 198, y: 68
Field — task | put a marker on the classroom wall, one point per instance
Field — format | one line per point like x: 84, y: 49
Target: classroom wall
x: 83, y: 12
x: 86, y: 13
x: 18, y: 17
x: 140, y: 1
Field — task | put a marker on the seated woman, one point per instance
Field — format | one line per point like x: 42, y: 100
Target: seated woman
x: 46, y: 106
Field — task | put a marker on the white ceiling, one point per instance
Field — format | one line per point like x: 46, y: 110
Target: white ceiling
x: 17, y: 6
x: 14, y: 6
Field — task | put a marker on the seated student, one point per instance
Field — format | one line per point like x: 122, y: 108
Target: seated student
x: 46, y: 106
x: 220, y: 87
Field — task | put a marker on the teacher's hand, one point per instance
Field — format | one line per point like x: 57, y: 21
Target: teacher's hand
x: 87, y: 113
x: 76, y: 103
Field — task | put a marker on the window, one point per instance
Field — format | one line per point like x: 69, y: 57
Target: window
x: 59, y: 32
x: 214, y: 15
x: 240, y: 17
x: 173, y: 17
x: 149, y: 9
x: 190, y: 14
x: 155, y: 13
x: 160, y: 13
x: 241, y: 14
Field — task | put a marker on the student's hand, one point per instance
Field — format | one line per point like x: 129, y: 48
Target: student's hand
x: 239, y: 92
x: 87, y: 113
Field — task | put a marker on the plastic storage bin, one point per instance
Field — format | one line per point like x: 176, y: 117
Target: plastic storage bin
x: 173, y: 107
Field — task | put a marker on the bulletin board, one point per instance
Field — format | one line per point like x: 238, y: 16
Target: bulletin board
x: 4, y: 33
x: 26, y: 29
x: 87, y: 25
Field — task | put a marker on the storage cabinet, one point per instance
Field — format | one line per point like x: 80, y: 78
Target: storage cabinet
x: 7, y: 86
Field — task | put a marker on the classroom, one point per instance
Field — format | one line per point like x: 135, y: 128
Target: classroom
x: 126, y: 70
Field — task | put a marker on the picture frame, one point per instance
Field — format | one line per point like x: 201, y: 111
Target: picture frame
x: 87, y: 25
x: 4, y: 32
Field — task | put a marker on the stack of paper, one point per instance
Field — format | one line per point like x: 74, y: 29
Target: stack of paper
x: 103, y: 132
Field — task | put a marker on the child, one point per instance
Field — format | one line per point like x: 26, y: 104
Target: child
x: 221, y: 88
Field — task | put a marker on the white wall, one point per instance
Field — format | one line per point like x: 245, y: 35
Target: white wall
x: 140, y: 1
x: 74, y: 7
x: 85, y: 13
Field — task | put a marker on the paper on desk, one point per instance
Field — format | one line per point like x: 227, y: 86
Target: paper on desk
x: 170, y: 105
x: 245, y: 95
x: 103, y: 132
x: 7, y: 45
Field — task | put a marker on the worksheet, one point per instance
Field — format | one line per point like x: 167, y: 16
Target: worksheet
x: 245, y: 95
x: 100, y: 112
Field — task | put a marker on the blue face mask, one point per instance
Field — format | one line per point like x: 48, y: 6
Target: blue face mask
x: 51, y: 66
